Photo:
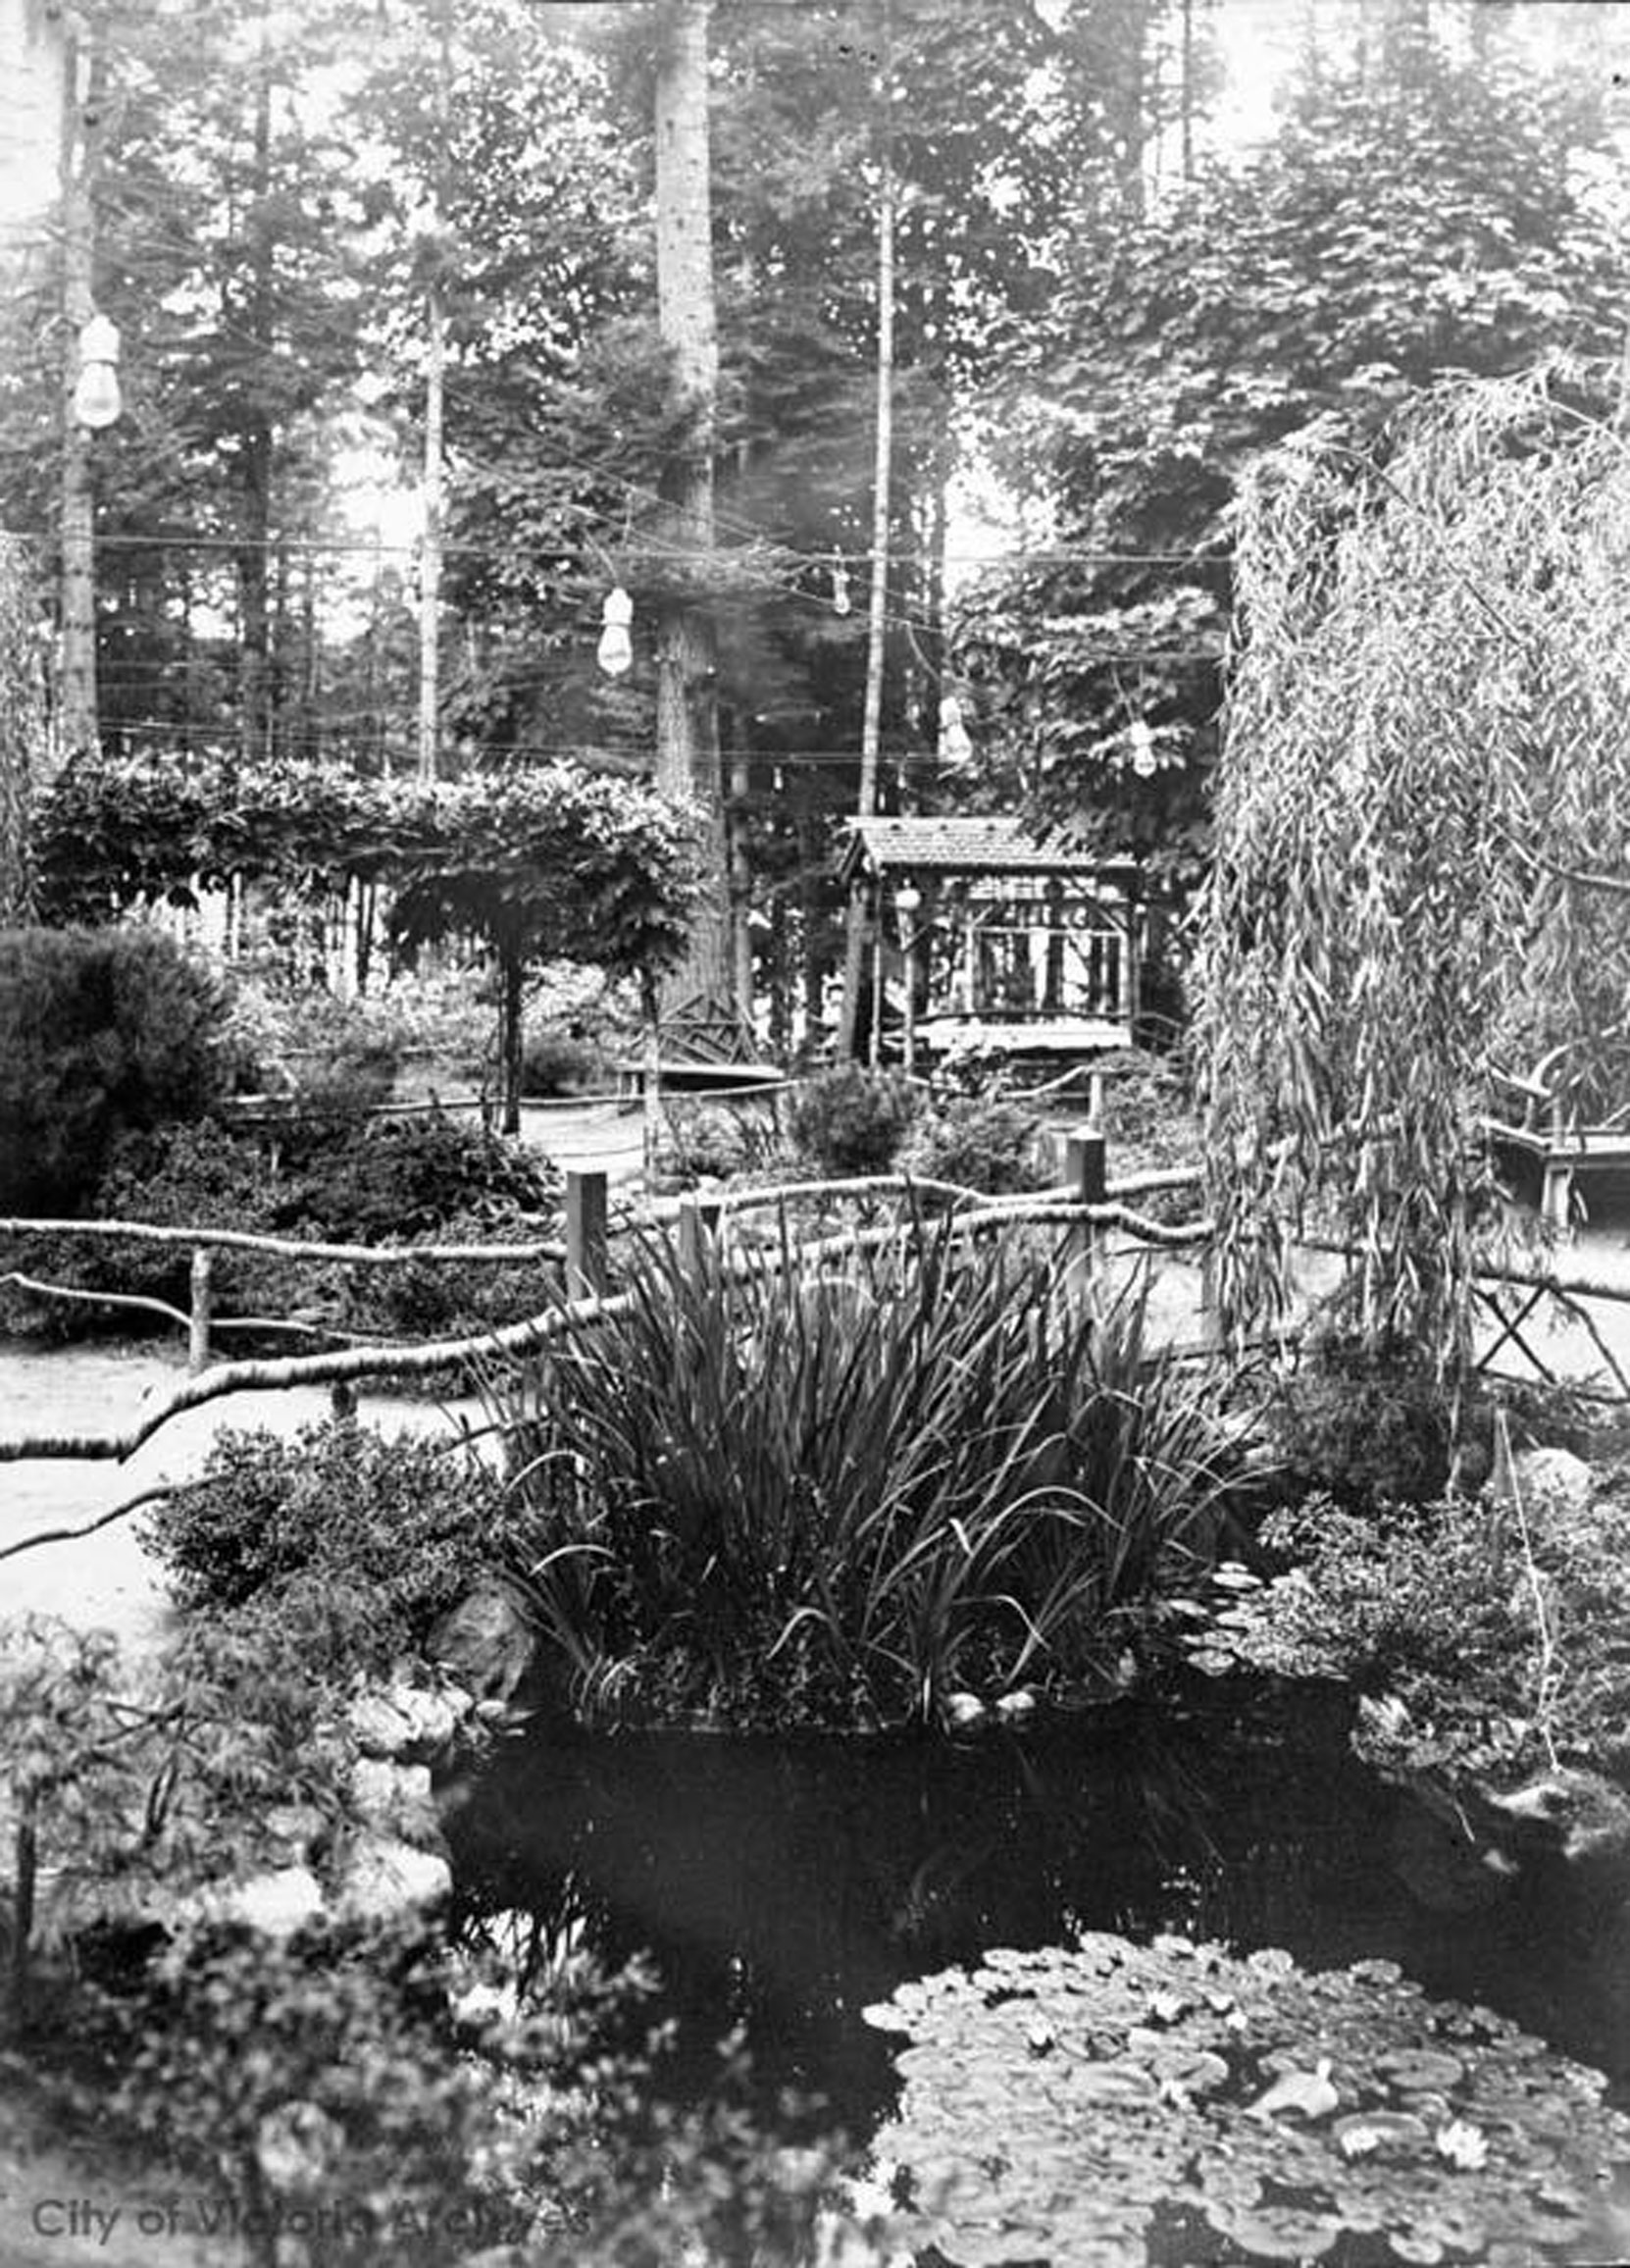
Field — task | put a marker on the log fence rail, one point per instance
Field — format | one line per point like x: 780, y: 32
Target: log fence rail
x: 1084, y: 1207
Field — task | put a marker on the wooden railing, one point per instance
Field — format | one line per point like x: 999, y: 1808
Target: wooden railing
x: 1084, y: 1207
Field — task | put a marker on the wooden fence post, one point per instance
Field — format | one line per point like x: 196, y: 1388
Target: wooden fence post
x: 1087, y: 1176
x: 203, y: 1301
x: 588, y: 1272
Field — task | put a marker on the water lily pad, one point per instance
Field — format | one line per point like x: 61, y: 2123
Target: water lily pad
x: 1277, y: 2232
x: 1412, y: 2244
x: 1390, y: 2129
x: 1122, y: 2122
x: 1422, y: 2068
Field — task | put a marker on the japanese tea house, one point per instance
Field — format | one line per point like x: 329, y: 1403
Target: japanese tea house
x: 988, y: 934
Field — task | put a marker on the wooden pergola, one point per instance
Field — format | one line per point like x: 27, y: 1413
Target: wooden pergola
x: 983, y: 932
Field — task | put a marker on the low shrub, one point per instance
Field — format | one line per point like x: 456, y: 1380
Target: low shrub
x: 406, y: 1522
x: 1366, y: 1425
x: 449, y: 1299
x: 135, y: 1775
x: 405, y: 1177
x: 101, y: 1031
x: 1504, y: 1644
x: 354, y: 2092
x: 785, y: 1499
x: 556, y: 1062
x: 203, y: 1176
x: 851, y: 1120
x: 433, y: 1178
x: 986, y: 1142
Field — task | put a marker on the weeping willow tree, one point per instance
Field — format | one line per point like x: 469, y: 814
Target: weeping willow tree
x: 1423, y: 819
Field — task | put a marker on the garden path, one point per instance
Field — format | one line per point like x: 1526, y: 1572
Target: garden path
x: 107, y: 1580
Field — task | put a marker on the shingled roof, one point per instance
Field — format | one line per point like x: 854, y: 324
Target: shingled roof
x: 987, y: 846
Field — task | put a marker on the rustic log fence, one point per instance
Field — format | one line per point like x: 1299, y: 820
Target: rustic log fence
x: 1086, y: 1208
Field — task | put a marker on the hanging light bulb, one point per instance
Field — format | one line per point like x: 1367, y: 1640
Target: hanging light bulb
x: 1145, y: 761
x: 955, y: 748
x: 97, y: 401
x: 614, y: 652
x: 841, y: 600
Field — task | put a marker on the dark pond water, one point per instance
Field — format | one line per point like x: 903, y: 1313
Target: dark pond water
x: 785, y: 1885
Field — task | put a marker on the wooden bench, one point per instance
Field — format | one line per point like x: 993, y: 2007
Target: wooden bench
x: 1545, y: 1128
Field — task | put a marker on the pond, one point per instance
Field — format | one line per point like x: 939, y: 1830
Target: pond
x: 786, y: 1885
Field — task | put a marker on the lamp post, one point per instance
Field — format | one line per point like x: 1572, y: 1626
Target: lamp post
x: 908, y: 900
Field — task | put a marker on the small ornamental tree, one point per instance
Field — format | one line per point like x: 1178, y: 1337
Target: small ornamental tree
x: 1425, y: 784
x: 550, y: 863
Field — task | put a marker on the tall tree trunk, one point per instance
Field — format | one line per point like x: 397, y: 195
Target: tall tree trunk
x: 740, y: 894
x: 435, y: 372
x: 850, y: 1032
x: 23, y: 726
x: 309, y: 740
x: 686, y: 659
x: 811, y: 926
x: 254, y: 610
x: 77, y: 727
x: 430, y: 548
x: 512, y: 975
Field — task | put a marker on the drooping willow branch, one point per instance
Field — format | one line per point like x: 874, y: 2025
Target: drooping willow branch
x: 1410, y: 791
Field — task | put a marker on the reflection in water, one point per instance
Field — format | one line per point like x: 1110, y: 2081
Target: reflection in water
x: 785, y: 1885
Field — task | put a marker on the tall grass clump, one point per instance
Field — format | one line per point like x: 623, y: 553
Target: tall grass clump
x: 785, y: 1498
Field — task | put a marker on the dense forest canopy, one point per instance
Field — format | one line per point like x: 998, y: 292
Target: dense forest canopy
x: 1117, y: 277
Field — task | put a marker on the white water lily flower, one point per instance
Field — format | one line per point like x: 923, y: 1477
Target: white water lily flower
x: 1463, y: 2144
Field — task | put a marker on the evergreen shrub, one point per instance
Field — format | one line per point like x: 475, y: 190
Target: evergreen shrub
x: 101, y: 1031
x: 433, y: 1178
x: 853, y: 1120
x: 201, y: 1176
x: 405, y: 1177
x: 408, y: 1522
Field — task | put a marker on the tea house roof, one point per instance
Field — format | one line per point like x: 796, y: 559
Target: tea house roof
x: 981, y: 846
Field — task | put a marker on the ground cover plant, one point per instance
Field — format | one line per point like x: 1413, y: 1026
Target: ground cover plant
x: 775, y: 1497
x: 1115, y: 2106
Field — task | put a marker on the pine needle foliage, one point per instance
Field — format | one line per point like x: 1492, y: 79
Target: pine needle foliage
x: 1427, y: 772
